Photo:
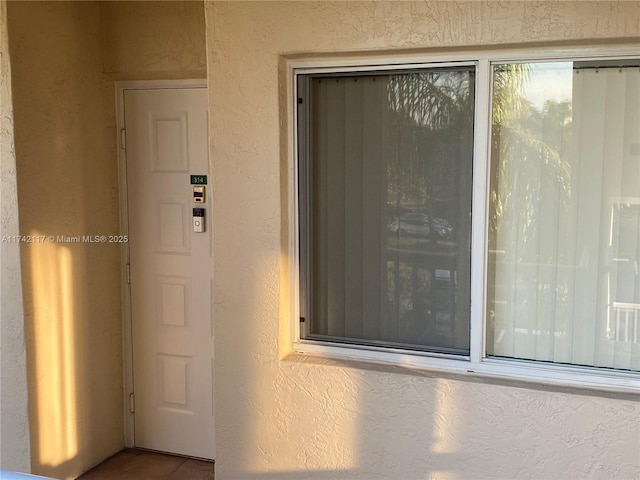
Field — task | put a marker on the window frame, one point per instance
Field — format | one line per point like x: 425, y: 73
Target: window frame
x: 477, y: 363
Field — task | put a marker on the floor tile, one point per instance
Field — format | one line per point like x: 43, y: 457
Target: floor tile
x: 193, y: 470
x: 134, y: 464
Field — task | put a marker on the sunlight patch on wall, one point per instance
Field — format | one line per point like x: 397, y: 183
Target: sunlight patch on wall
x: 54, y: 345
x: 445, y: 431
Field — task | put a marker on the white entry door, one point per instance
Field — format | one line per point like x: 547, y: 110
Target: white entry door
x: 170, y: 270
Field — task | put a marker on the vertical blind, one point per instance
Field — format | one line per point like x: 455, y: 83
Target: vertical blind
x: 390, y: 202
x: 564, y: 241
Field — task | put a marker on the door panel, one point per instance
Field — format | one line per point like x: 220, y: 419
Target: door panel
x: 171, y: 269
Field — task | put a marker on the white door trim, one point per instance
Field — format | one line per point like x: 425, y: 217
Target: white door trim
x: 127, y: 339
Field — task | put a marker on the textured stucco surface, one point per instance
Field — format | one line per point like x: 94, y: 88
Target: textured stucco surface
x: 289, y: 419
x: 14, y: 422
x: 150, y: 40
x: 67, y: 185
x: 65, y: 58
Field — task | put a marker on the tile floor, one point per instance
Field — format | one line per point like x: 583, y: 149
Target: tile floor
x: 134, y: 464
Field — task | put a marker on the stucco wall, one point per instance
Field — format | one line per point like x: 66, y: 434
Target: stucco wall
x: 153, y: 40
x: 14, y: 423
x: 299, y: 418
x: 67, y: 186
x: 66, y: 56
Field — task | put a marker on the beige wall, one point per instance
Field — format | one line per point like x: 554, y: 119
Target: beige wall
x: 67, y: 185
x: 153, y: 40
x: 299, y: 418
x: 14, y: 420
x: 272, y: 421
x: 65, y: 58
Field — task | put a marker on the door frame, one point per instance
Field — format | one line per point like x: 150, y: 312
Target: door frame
x: 125, y: 294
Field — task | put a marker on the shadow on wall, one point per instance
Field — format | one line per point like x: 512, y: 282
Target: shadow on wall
x: 300, y: 418
x: 279, y: 418
x: 333, y: 422
x: 309, y: 418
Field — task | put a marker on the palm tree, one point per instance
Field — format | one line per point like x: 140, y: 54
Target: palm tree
x: 529, y: 151
x: 432, y: 124
x: 434, y: 110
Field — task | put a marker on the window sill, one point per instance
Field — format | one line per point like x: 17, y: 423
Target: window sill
x: 521, y: 373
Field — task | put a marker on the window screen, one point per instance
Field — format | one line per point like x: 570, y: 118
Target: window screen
x: 385, y: 207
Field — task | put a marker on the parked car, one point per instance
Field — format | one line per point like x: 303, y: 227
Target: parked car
x: 415, y: 223
x: 441, y: 227
x: 411, y: 223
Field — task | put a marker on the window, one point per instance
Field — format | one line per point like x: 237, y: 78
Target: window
x: 510, y: 185
x: 389, y: 202
x: 563, y: 256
